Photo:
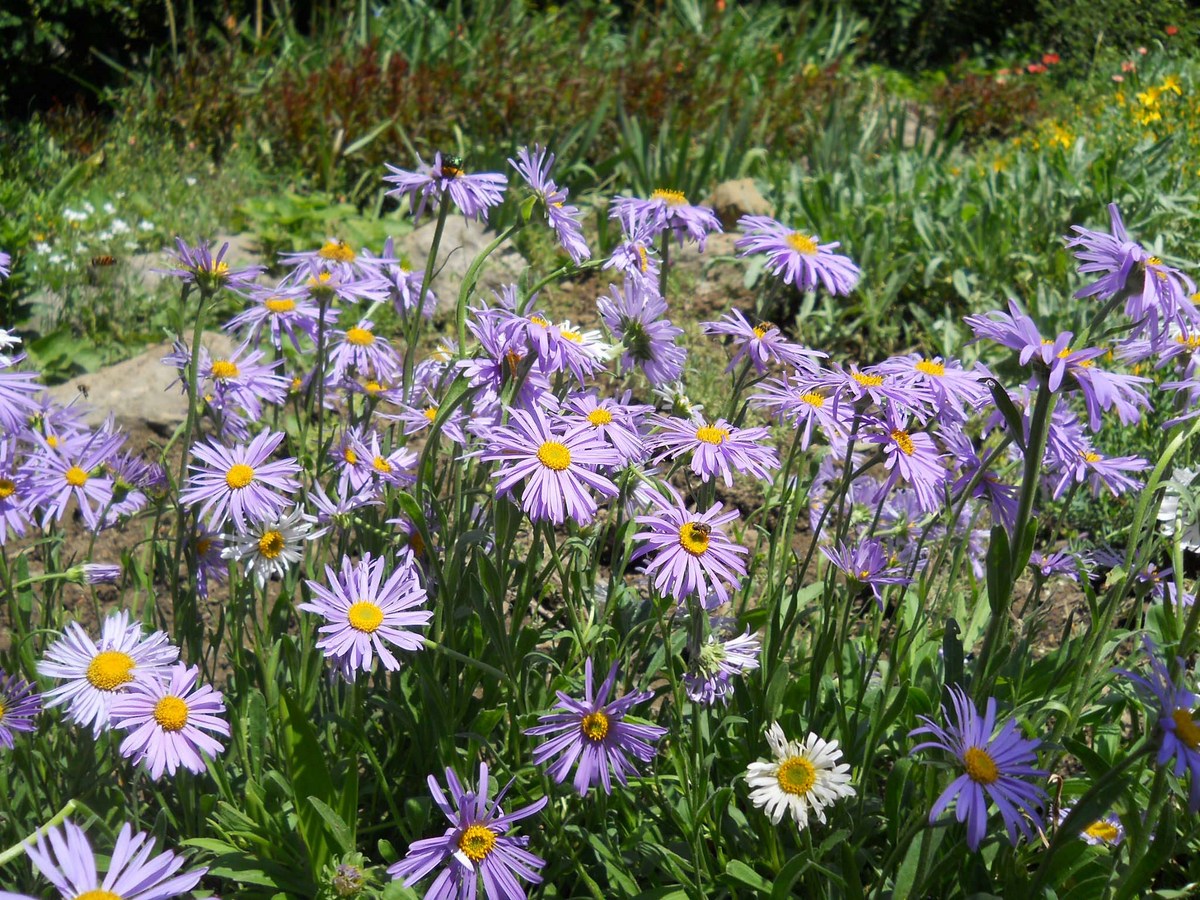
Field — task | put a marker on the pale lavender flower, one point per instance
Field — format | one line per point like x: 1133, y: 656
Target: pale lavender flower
x: 283, y: 310
x: 240, y: 482
x: 196, y: 265
x: 269, y: 547
x: 615, y: 419
x: 71, y: 471
x: 17, y: 393
x: 867, y: 562
x: 365, y: 615
x: 337, y: 257
x: 472, y: 194
x: 359, y: 350
x: 806, y: 405
x: 635, y: 256
x: 5, y: 264
x: 475, y: 849
x: 717, y: 448
x: 669, y: 210
x: 1107, y: 831
x: 99, y: 573
x: 96, y: 673
x: 14, y: 491
x: 171, y: 723
x: 953, y: 389
x: 593, y: 733
x: 19, y: 705
x: 762, y: 344
x: 240, y: 379
x: 994, y: 766
x: 912, y: 456
x: 797, y: 256
x: 715, y: 665
x: 563, y: 218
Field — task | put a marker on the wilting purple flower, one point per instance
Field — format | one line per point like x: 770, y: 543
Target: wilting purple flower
x: 716, y: 664
x: 196, y: 265
x: 170, y: 722
x: 593, y: 733
x: 240, y: 482
x: 635, y: 318
x: 564, y: 219
x: 557, y: 469
x: 1107, y: 831
x: 797, y: 256
x: 1104, y: 390
x: 206, y: 547
x: 716, y: 447
x: 867, y: 562
x: 994, y: 765
x: 1099, y: 471
x: 98, y: 573
x: 691, y: 554
x: 668, y: 210
x: 19, y: 705
x: 364, y: 614
x: 96, y: 673
x: 1177, y: 719
x: 761, y: 344
x: 476, y: 847
x: 472, y: 194
x: 503, y: 359
x: 284, y: 310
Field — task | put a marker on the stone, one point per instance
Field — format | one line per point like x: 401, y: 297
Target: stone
x: 462, y: 241
x: 733, y: 199
x: 139, y: 390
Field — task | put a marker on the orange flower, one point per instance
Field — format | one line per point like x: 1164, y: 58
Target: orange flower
x: 1051, y: 59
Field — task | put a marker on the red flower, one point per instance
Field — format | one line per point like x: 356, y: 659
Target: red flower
x: 1035, y: 69
x: 1051, y: 59
x: 1172, y: 30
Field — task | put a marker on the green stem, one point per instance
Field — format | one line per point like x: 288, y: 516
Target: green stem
x: 59, y: 817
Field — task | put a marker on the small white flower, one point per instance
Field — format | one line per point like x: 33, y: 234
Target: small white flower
x: 89, y: 207
x: 270, y: 548
x: 190, y: 181
x: 146, y: 225
x: 1180, y: 507
x: 109, y: 208
x: 119, y: 226
x: 72, y: 215
x: 42, y: 248
x: 804, y: 776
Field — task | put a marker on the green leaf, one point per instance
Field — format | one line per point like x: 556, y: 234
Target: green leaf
x: 740, y: 873
x: 341, y: 833
x: 308, y: 776
x: 1012, y: 418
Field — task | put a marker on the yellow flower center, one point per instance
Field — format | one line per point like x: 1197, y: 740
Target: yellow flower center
x: 1192, y: 342
x: 1186, y: 728
x: 1102, y: 831
x: 52, y: 440
x: 381, y: 465
x: 644, y: 259
x: 904, y: 441
x: 171, y: 713
x: 2, y: 712
x: 762, y: 329
x: 373, y: 387
x: 867, y: 380
x: 554, y: 455
x: 238, y: 476
x: 929, y: 367
x: 279, y: 304
x: 980, y: 766
x: 694, y: 537
x: 796, y: 776
x: 350, y: 456
x: 271, y: 544
x: 673, y: 198
x: 1089, y: 456
x: 597, y: 417
x: 109, y: 670
x: 431, y: 413
x: 98, y: 894
x: 8, y: 487
x: 1064, y: 352
x: 594, y: 726
x: 573, y: 336
x: 1154, y: 261
x: 359, y: 337
x: 538, y: 320
x: 76, y: 477
x: 223, y: 368
x: 802, y: 243
x: 365, y: 616
x: 813, y: 399
x: 711, y: 434
x: 477, y: 842
x: 338, y: 251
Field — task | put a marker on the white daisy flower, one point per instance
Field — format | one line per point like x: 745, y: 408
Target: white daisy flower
x: 270, y: 548
x: 803, y: 777
x: 96, y: 674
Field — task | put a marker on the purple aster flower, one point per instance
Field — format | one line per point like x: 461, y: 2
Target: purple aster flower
x: 96, y: 573
x: 476, y: 847
x: 17, y: 392
x: 171, y: 722
x: 96, y: 673
x: 716, y: 447
x: 1104, y: 390
x: 1047, y: 565
x: 635, y: 256
x: 238, y: 380
x: 912, y: 456
x: 1107, y: 831
x: 1019, y: 332
x: 65, y: 859
x: 324, y: 286
x: 240, y: 482
x: 558, y: 347
x: 1177, y: 719
x: 762, y: 344
x: 73, y: 471
x: 360, y: 350
x: 19, y: 705
x: 797, y: 256
x: 420, y: 416
x: 196, y: 265
x: 396, y: 468
x: 994, y: 766
x: 691, y: 553
x: 364, y: 614
x: 615, y: 419
x: 472, y: 194
x: 867, y: 562
x: 405, y: 284
x: 5, y: 264
x: 337, y: 257
x: 14, y: 491
x: 556, y: 468
x: 714, y: 667
x: 667, y: 209
x: 593, y: 733
x: 284, y: 310
x: 564, y: 219
x: 871, y: 385
x: 806, y: 405
x: 503, y: 360
x: 635, y: 319
x: 206, y: 548
x: 1099, y: 471
x: 954, y: 389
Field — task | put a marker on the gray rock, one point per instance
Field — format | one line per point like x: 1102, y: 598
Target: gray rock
x: 734, y: 199
x: 138, y: 390
x: 462, y: 241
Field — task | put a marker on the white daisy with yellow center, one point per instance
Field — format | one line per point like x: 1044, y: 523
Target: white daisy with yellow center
x: 804, y: 777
